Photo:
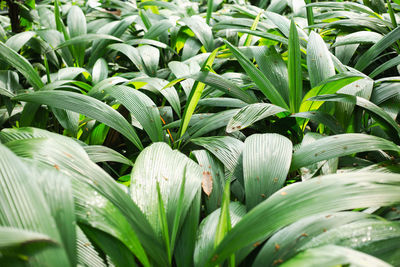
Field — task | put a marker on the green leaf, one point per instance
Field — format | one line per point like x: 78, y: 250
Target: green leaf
x: 160, y: 164
x: 57, y: 190
x: 208, y: 228
x: 17, y: 241
x: 333, y: 192
x: 224, y: 222
x: 287, y: 242
x: 227, y: 149
x: 338, y: 146
x: 92, y: 185
x: 87, y: 254
x: 103, y: 154
x: 17, y: 41
x: 212, y: 170
x: 201, y: 30
x: 21, y: 64
x: 83, y: 39
x: 294, y: 70
x: 319, y: 61
x: 195, y: 95
x: 142, y: 107
x: 23, y: 205
x: 383, y: 118
x: 360, y: 37
x: 266, y: 87
x: 329, y: 86
x: 220, y: 83
x: 266, y: 162
x: 370, y: 56
x: 211, y: 123
x: 251, y: 114
x: 76, y: 22
x: 100, y: 71
x: 87, y: 106
x: 331, y: 255
x: 385, y: 66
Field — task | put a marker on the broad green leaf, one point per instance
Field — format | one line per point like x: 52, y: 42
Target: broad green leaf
x: 389, y: 124
x: 374, y: 236
x: 17, y: 41
x: 87, y: 106
x: 319, y: 62
x: 370, y: 56
x: 212, y: 170
x: 251, y: 114
x: 222, y: 102
x: 207, y: 231
x: 227, y: 149
x: 17, y: 241
x: 160, y: 164
x: 23, y: 205
x: 116, y: 30
x: 329, y: 86
x: 117, y: 253
x: 266, y: 87
x: 100, y: 71
x: 321, y: 117
x: 87, y: 254
x: 334, y: 193
x: 142, y: 107
x: 331, y: 255
x: 131, y: 52
x: 67, y: 156
x: 185, y: 245
x: 157, y: 29
x: 266, y: 162
x: 211, y: 123
x: 150, y: 57
x: 338, y: 146
x: 83, y: 39
x: 360, y: 37
x: 274, y: 68
x: 220, y: 83
x: 201, y: 30
x: 288, y: 242
x: 348, y: 5
x: 76, y: 22
x: 385, y: 66
x: 103, y: 153
x: 21, y: 64
x: 57, y: 190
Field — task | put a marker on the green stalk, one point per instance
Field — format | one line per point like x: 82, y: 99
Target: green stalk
x: 253, y: 28
x: 46, y: 64
x: 210, y: 4
x: 310, y: 15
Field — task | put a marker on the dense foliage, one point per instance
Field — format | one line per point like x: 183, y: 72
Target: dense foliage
x: 214, y: 133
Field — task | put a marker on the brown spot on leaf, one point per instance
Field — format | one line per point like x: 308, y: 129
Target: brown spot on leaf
x: 68, y: 155
x: 283, y: 193
x: 276, y: 180
x: 277, y: 247
x: 215, y: 257
x: 262, y: 195
x: 256, y: 244
x: 57, y: 167
x: 304, y: 234
x: 278, y: 261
